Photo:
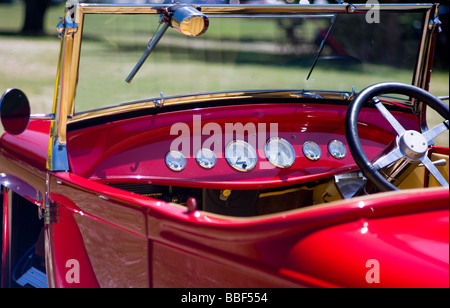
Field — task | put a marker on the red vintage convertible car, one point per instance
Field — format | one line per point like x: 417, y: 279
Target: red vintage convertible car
x: 231, y: 146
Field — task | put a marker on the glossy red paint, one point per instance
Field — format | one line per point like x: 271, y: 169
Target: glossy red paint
x: 200, y: 242
x: 104, y: 231
x: 65, y: 243
x: 5, y: 238
x: 413, y: 246
x: 24, y: 157
x: 110, y: 237
x: 96, y: 220
x: 135, y: 149
x: 30, y: 147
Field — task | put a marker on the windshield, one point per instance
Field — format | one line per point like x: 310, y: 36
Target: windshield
x: 238, y: 54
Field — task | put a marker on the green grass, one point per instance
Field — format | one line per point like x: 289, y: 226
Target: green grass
x: 30, y: 63
x: 12, y: 17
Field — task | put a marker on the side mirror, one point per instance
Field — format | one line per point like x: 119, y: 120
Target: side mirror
x: 14, y: 111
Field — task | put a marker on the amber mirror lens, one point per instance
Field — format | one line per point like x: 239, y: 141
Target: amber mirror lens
x: 193, y: 26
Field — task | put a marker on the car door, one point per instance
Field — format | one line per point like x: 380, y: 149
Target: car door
x: 96, y: 236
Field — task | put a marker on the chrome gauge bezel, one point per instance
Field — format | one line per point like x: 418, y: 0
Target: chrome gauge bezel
x: 337, y: 149
x: 175, y: 161
x: 311, y: 150
x: 283, y: 147
x: 206, y: 158
x: 234, y: 149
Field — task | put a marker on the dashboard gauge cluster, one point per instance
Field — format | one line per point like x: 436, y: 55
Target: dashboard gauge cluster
x: 242, y: 156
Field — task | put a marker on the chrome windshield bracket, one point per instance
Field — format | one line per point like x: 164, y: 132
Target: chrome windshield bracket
x: 435, y: 22
x: 67, y: 25
x: 159, y: 102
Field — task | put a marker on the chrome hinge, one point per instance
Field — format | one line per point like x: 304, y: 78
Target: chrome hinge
x: 48, y: 209
x: 51, y: 212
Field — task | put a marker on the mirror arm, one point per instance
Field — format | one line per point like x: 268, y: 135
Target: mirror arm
x: 184, y: 18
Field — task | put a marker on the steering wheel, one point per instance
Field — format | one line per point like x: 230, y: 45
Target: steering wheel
x: 410, y: 144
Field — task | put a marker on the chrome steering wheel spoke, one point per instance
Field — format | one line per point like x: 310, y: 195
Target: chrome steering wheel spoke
x: 388, y: 159
x: 412, y: 145
x: 436, y: 131
x: 388, y: 116
x: 434, y: 171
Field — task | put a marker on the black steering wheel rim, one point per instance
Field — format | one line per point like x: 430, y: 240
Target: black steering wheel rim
x: 365, y: 97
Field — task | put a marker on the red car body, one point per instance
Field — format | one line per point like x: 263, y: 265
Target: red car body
x: 98, y: 232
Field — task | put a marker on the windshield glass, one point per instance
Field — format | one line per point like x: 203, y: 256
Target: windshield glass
x: 237, y: 54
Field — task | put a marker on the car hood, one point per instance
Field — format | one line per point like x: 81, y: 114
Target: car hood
x: 410, y: 250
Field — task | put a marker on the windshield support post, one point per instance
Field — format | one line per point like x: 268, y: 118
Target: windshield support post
x: 65, y: 85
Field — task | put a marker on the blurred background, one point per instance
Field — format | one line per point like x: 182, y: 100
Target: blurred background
x: 29, y: 46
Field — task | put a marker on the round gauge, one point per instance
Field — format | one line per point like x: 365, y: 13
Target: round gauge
x: 175, y: 160
x: 241, y: 155
x: 311, y: 150
x: 280, y: 152
x: 337, y: 149
x: 206, y: 158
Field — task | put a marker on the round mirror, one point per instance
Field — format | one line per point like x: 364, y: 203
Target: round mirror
x: 14, y: 111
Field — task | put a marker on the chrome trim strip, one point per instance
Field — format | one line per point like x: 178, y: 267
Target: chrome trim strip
x: 90, y: 8
x: 66, y: 82
x: 209, y: 97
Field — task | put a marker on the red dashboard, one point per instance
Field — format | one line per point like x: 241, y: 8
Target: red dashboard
x: 135, y: 150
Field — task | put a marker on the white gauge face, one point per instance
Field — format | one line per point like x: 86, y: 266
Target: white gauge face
x: 311, y: 150
x: 280, y: 152
x: 175, y: 160
x: 206, y: 158
x: 337, y: 149
x: 241, y: 155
